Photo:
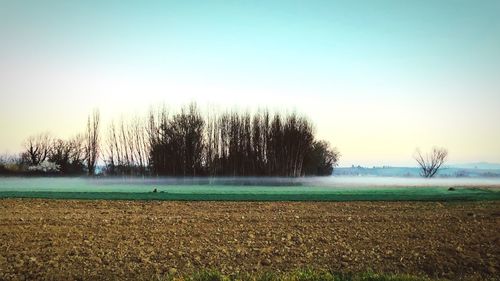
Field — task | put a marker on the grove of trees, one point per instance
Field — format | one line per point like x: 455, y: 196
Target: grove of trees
x: 236, y: 144
x: 46, y: 154
x: 186, y: 143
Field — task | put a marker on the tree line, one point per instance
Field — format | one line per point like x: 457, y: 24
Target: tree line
x: 44, y: 154
x: 186, y: 143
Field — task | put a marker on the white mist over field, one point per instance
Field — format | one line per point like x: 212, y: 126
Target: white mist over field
x: 234, y: 184
x: 329, y: 181
x: 352, y: 181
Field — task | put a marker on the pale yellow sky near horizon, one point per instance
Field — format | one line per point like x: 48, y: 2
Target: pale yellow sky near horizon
x: 370, y: 132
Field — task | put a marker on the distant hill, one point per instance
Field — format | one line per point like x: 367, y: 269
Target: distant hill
x: 462, y: 170
x: 477, y: 165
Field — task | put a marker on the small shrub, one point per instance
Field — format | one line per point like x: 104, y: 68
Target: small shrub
x: 265, y: 276
x: 311, y: 275
x: 208, y: 275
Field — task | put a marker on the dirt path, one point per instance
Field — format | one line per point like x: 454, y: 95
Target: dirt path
x: 57, y: 239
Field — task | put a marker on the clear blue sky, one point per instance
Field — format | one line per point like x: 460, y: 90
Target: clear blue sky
x: 379, y: 78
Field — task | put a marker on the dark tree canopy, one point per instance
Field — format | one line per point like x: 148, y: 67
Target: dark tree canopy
x: 321, y: 159
x: 236, y: 144
x: 68, y: 155
x: 177, y: 148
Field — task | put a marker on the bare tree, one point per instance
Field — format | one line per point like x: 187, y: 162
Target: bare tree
x: 431, y: 162
x: 127, y: 148
x: 37, y: 149
x: 140, y: 143
x: 68, y: 155
x: 77, y: 155
x: 92, y: 142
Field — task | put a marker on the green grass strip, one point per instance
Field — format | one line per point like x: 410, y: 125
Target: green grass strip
x: 298, y: 275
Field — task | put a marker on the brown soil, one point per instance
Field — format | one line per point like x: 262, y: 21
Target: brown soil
x: 57, y: 239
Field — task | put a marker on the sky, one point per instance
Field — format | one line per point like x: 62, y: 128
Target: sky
x: 377, y: 78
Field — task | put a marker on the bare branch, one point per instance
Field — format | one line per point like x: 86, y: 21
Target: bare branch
x: 431, y: 162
